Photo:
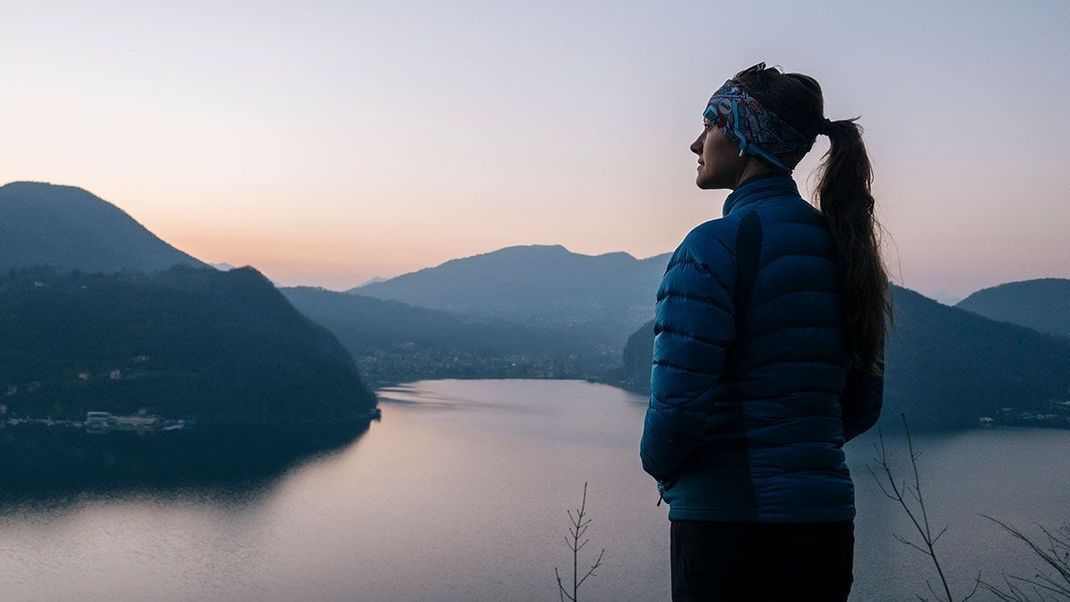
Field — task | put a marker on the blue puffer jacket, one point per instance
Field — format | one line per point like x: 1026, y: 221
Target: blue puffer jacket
x: 751, y: 401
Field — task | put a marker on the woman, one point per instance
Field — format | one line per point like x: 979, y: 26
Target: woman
x: 768, y: 352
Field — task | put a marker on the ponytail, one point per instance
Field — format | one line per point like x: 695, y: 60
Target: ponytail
x: 847, y: 203
x: 845, y: 200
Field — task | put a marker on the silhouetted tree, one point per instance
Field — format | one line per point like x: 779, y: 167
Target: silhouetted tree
x: 1044, y: 587
x: 902, y: 493
x: 580, y: 522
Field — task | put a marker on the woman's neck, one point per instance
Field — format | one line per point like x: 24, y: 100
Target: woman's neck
x: 773, y: 173
x: 758, y: 169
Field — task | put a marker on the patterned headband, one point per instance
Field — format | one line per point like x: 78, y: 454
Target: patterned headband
x: 755, y: 129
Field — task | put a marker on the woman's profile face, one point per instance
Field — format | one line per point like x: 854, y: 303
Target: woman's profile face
x: 719, y: 163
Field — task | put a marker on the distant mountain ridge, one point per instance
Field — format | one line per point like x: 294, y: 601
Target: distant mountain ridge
x: 371, y: 280
x: 600, y: 297
x: 98, y: 313
x: 68, y: 228
x: 392, y: 341
x: 1042, y: 304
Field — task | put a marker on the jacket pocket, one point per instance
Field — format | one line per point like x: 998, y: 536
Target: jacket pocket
x: 663, y: 489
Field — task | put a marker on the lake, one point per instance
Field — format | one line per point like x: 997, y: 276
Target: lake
x: 459, y: 493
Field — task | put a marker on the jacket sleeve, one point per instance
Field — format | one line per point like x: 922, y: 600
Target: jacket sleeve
x: 693, y: 326
x: 862, y: 399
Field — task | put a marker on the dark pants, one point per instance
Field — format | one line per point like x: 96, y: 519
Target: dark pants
x: 761, y: 561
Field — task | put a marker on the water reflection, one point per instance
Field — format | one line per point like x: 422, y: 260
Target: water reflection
x: 53, y: 464
x: 460, y: 493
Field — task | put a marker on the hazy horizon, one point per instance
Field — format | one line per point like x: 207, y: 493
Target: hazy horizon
x: 331, y: 143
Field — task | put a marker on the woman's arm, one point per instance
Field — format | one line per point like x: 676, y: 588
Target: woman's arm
x: 693, y: 327
x: 862, y: 399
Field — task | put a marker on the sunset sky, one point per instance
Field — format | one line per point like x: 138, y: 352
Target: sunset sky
x: 329, y: 142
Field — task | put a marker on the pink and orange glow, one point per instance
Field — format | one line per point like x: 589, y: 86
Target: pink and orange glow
x: 326, y: 143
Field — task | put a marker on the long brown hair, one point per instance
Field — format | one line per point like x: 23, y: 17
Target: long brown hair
x: 845, y: 199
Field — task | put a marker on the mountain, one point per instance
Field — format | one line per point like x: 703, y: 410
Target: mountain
x: 945, y: 366
x: 392, y: 341
x: 1042, y: 304
x: 636, y: 361
x: 222, y: 267
x: 369, y: 281
x: 71, y: 229
x: 224, y: 347
x: 601, y: 298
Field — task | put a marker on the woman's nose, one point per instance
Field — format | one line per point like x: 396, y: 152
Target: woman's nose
x: 696, y: 146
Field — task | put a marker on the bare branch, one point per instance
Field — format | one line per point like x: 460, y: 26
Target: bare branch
x: 902, y: 493
x: 561, y: 588
x: 942, y: 531
x: 580, y: 522
x: 597, y: 563
x: 929, y: 586
x: 976, y: 584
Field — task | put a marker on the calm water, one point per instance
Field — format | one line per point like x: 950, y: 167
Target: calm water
x: 458, y: 494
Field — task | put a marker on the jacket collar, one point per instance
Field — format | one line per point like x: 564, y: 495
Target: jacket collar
x: 757, y: 188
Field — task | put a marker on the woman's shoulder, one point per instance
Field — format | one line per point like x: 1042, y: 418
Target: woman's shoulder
x: 713, y: 239
x: 709, y: 244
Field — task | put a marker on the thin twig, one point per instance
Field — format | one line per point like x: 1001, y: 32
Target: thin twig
x: 919, y: 517
x: 1057, y: 556
x: 580, y: 523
